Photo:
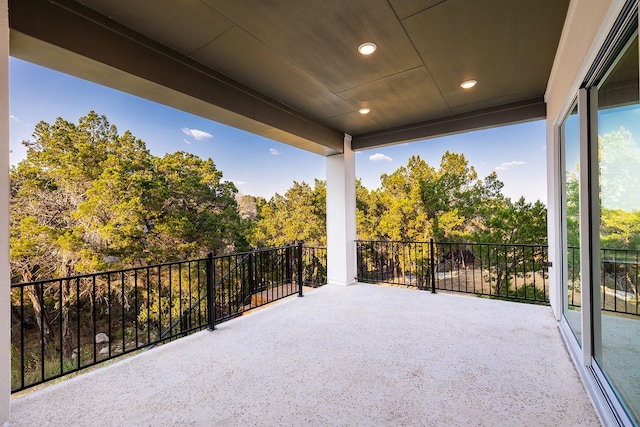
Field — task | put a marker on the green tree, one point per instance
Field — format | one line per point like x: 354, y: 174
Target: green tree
x: 298, y: 215
x: 619, y: 162
x: 199, y: 213
x: 573, y: 209
x: 521, y: 223
x: 397, y: 206
x: 620, y: 229
x: 89, y: 199
x: 46, y: 190
x: 366, y: 220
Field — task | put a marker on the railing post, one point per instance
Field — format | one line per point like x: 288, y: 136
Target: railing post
x: 300, y: 267
x: 211, y: 294
x: 432, y: 260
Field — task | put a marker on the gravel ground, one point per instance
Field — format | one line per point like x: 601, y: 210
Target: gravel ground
x: 356, y: 355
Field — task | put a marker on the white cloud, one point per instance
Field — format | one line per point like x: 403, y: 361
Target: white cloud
x: 12, y: 117
x: 186, y: 141
x: 274, y: 152
x: 379, y: 157
x: 199, y: 135
x: 507, y: 165
x: 239, y: 182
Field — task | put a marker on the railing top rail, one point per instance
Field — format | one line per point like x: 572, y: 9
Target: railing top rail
x: 623, y: 250
x: 146, y: 267
x: 108, y: 272
x: 628, y: 255
x: 256, y: 250
x: 533, y: 245
x: 392, y: 241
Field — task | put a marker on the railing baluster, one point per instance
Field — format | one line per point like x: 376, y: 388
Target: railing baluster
x: 432, y: 257
x: 93, y: 316
x: 603, y: 304
x: 122, y: 300
x: 109, y: 310
x: 199, y: 286
x: 211, y: 294
x: 635, y: 283
x: 78, y: 345
x: 60, y: 317
x: 40, y: 292
x: 22, y: 369
x: 300, y: 269
x: 137, y: 306
x: 170, y: 305
x: 159, y: 303
x: 180, y: 290
x: 545, y: 252
x: 534, y: 270
x: 148, y: 306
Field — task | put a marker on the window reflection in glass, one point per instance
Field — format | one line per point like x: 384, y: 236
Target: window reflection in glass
x: 618, y: 351
x: 571, y: 207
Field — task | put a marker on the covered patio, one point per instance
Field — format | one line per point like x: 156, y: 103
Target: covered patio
x: 291, y: 72
x: 357, y: 355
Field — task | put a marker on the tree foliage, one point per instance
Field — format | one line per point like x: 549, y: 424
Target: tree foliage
x: 414, y: 203
x: 298, y: 215
x: 619, y: 160
x: 89, y: 199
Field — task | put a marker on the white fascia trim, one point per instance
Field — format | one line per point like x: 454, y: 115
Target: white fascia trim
x: 596, y: 45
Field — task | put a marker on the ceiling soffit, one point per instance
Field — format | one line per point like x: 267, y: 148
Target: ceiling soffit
x: 302, y: 54
x: 70, y: 38
x: 507, y: 46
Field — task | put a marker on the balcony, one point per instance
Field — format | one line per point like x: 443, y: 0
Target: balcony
x: 359, y: 351
x: 357, y: 355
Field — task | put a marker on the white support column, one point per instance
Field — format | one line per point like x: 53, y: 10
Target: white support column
x: 341, y: 216
x: 5, y: 275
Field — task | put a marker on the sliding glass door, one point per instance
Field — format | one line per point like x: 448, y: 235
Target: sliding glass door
x: 616, y: 311
x: 599, y: 174
x: 570, y: 164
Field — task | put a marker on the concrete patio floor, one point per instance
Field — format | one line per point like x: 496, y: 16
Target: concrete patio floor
x: 357, y: 355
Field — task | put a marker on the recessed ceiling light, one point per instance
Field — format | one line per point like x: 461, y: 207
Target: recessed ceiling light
x: 364, y: 110
x: 367, y: 48
x: 468, y: 84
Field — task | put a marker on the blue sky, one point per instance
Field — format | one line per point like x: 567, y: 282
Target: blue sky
x: 259, y: 166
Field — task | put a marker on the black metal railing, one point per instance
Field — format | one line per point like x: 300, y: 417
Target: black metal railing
x: 573, y: 276
x: 251, y: 279
x: 61, y: 326
x: 619, y: 279
x: 314, y: 260
x: 508, y: 271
